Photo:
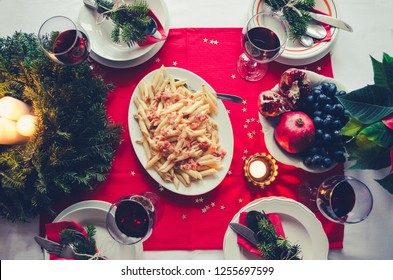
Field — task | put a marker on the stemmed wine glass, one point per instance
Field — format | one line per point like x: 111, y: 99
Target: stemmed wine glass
x: 64, y: 41
x: 263, y: 39
x: 131, y: 219
x: 341, y: 199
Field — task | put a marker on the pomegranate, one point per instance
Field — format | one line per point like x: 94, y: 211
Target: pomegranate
x: 295, y: 132
x: 293, y: 85
x: 271, y: 104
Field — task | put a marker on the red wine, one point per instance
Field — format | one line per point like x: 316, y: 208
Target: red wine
x: 132, y: 219
x: 343, y: 199
x: 261, y: 38
x: 71, y: 52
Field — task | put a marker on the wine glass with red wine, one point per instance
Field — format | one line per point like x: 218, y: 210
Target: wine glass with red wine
x: 344, y: 199
x: 131, y: 219
x: 263, y: 39
x: 64, y: 41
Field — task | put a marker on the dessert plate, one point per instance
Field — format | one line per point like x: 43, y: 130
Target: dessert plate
x: 296, y: 54
x: 93, y: 212
x: 225, y: 135
x: 300, y: 226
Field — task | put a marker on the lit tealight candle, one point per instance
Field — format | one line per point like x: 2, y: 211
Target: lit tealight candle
x: 26, y: 125
x: 12, y: 108
x: 260, y: 169
x: 9, y: 135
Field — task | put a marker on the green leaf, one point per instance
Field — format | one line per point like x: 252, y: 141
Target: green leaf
x: 373, y: 157
x: 379, y: 73
x: 352, y: 127
x: 369, y: 104
x: 387, y: 183
x: 379, y: 134
x: 388, y: 67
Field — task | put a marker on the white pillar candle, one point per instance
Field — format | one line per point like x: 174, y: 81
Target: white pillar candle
x: 9, y: 135
x: 26, y: 125
x: 12, y: 108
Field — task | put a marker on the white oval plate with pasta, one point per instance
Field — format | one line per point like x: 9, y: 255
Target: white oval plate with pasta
x: 210, y: 165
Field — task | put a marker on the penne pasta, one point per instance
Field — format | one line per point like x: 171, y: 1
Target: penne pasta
x: 180, y: 136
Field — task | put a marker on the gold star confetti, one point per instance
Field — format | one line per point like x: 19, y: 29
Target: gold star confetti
x: 244, y: 109
x: 245, y: 126
x: 319, y: 68
x: 244, y: 102
x: 228, y: 111
x: 158, y: 59
x: 212, y: 204
x: 229, y: 172
x: 184, y: 216
x: 215, y: 42
x: 174, y: 63
x: 254, y: 132
x: 248, y: 121
x: 212, y: 42
x: 222, y: 207
x: 245, y: 152
x: 203, y: 210
x: 233, y: 76
x: 253, y: 119
x: 205, y: 40
x: 133, y: 173
x: 240, y: 200
x: 250, y: 135
x: 161, y: 188
x: 207, y: 207
x: 244, y: 158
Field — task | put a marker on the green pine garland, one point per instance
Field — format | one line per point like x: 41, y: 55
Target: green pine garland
x: 74, y: 142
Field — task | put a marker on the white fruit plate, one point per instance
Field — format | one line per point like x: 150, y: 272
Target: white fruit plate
x: 269, y: 124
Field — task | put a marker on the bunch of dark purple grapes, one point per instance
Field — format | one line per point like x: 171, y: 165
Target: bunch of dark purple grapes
x: 329, y: 117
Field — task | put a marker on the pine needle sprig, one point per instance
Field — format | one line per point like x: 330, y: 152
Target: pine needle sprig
x: 85, y: 249
x: 275, y: 247
x: 296, y: 12
x: 130, y: 21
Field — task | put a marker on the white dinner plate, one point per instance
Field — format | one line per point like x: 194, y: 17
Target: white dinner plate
x: 225, y: 135
x: 295, y: 54
x: 93, y: 212
x: 269, y: 124
x: 300, y: 226
x: 111, y: 54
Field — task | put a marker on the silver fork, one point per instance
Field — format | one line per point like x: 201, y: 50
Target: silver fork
x: 63, y: 251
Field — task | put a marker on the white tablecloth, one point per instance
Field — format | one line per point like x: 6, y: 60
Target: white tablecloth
x: 373, y: 35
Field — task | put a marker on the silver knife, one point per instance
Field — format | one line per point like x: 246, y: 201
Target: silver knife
x: 244, y: 232
x: 332, y: 21
x: 46, y: 243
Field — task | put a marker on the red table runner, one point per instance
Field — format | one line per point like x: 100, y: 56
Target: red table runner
x: 199, y: 222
